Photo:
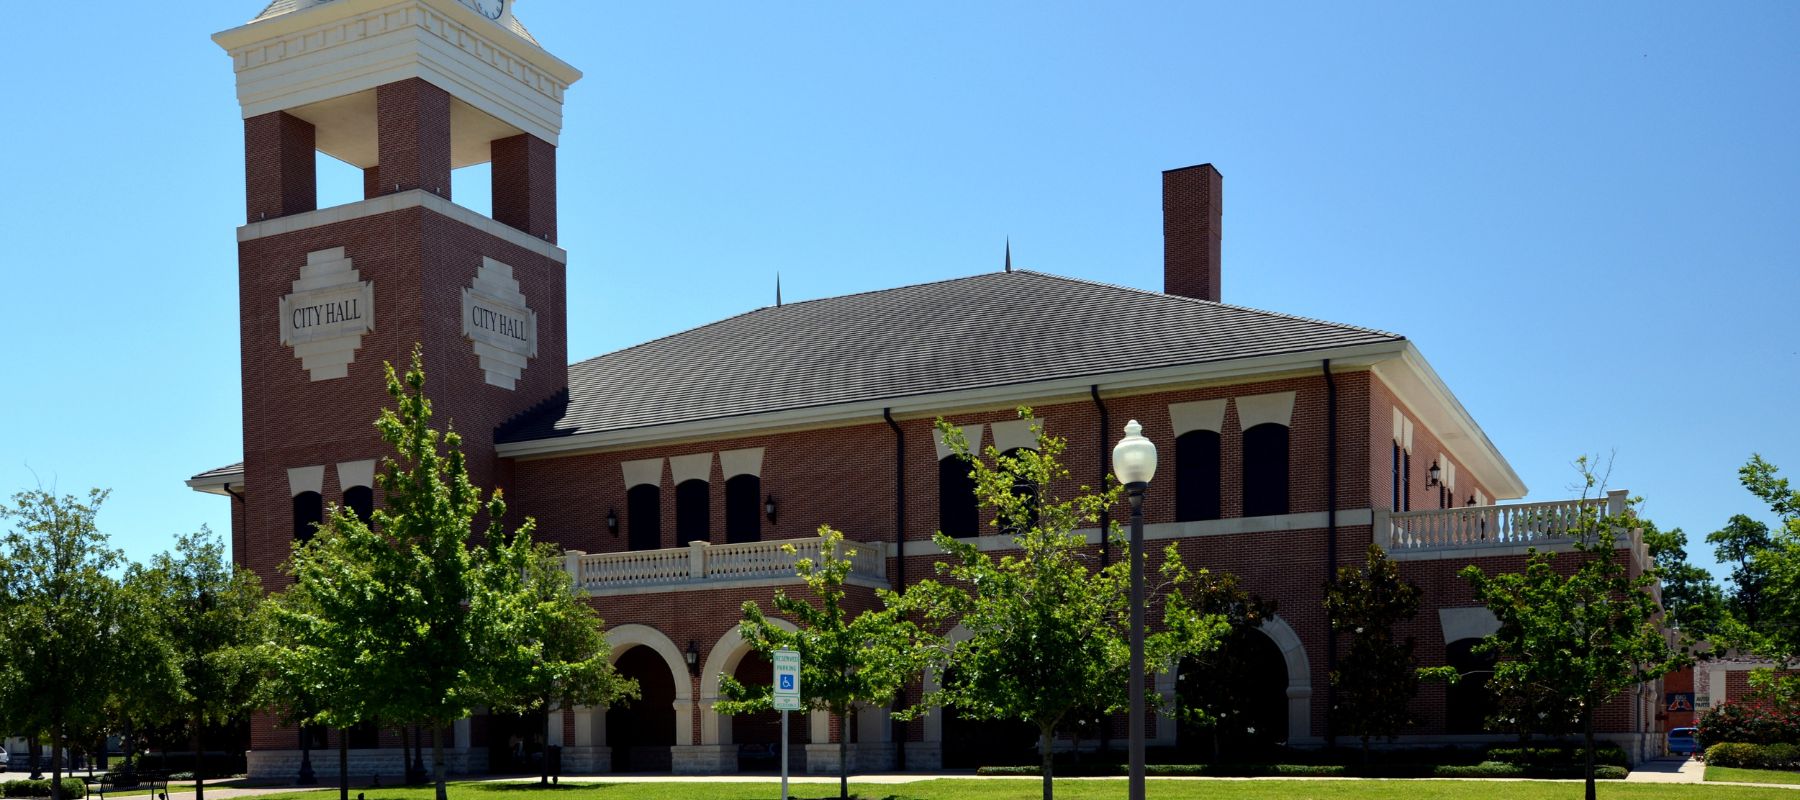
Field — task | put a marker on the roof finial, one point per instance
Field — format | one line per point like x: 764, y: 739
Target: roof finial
x: 1009, y: 254
x: 778, y: 289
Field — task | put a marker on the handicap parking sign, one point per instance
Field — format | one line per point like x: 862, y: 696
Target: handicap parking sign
x: 787, y: 683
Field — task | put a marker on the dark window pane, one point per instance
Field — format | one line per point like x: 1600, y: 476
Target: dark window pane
x: 1396, y: 505
x: 361, y: 502
x: 1197, y: 476
x: 643, y: 517
x: 1266, y: 470
x: 743, y: 509
x: 309, y: 512
x: 956, y: 498
x: 693, y: 512
x: 1405, y: 481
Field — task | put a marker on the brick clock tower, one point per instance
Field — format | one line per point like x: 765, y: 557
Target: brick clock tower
x: 407, y: 91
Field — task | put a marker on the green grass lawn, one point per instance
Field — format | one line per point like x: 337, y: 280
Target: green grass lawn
x: 1752, y: 775
x: 1013, y: 789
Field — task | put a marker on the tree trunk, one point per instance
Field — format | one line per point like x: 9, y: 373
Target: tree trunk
x: 437, y: 760
x: 56, y: 763
x: 1049, y: 768
x: 199, y: 764
x: 544, y: 779
x: 843, y: 755
x: 1587, y: 725
x: 343, y: 764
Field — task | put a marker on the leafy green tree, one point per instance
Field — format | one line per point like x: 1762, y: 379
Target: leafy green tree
x: 1585, y: 636
x: 1376, y: 680
x: 556, y: 652
x: 846, y: 659
x: 205, y: 609
x: 1692, y: 600
x: 1765, y: 605
x: 1049, y: 626
x: 1743, y: 543
x: 1207, y: 683
x: 66, y: 624
x: 311, y: 659
x: 401, y: 613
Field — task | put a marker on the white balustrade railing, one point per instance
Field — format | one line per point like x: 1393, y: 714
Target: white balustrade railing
x: 700, y: 562
x: 1513, y: 525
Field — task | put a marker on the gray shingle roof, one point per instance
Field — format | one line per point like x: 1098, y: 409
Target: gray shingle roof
x: 221, y: 472
x: 993, y: 329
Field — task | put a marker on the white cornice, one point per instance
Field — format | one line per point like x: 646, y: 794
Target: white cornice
x: 1417, y: 385
x: 1008, y: 396
x: 396, y: 202
x: 340, y: 48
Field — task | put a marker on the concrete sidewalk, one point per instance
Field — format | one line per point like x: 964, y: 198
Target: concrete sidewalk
x: 1668, y: 770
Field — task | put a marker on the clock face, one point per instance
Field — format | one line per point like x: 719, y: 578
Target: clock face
x: 492, y: 9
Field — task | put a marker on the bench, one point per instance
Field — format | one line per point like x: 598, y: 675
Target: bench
x: 100, y: 786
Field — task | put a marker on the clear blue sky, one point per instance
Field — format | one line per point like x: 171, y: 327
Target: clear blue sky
x: 1588, y: 219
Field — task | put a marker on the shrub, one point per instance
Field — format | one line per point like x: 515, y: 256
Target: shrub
x: 1748, y: 723
x: 72, y: 788
x: 1557, y: 756
x: 1754, y: 756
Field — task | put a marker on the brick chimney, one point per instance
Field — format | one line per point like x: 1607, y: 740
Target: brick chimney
x: 1192, y: 215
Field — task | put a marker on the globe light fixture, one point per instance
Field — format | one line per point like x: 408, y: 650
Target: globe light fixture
x: 1134, y: 458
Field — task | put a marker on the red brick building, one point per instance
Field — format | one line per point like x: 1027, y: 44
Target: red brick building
x: 671, y: 472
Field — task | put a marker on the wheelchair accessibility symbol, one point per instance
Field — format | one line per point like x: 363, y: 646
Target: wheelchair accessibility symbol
x: 787, y: 683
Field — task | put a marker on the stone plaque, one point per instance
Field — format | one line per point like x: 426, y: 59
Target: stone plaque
x: 325, y: 317
x: 499, y: 324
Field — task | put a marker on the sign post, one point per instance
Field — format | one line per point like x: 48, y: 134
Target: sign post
x: 787, y: 698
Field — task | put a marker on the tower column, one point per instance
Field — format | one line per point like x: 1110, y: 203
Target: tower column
x: 524, y: 184
x: 280, y: 177
x: 412, y: 120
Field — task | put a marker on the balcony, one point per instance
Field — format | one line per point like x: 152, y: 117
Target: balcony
x: 701, y: 565
x: 1477, y: 531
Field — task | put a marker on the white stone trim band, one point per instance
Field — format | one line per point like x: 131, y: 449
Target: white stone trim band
x: 748, y: 461
x: 696, y: 467
x: 356, y: 473
x: 1199, y: 415
x: 970, y: 432
x: 1015, y: 434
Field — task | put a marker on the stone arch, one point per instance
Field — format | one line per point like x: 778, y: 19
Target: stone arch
x: 721, y: 658
x: 934, y: 720
x: 1299, y: 670
x: 625, y: 637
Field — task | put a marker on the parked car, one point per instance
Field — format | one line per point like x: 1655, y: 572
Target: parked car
x: 5, y: 760
x: 1681, y: 740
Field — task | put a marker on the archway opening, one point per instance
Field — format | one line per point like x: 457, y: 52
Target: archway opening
x: 1242, y: 691
x: 970, y: 743
x: 1469, y: 701
x: 515, y: 743
x: 758, y: 736
x: 640, y: 732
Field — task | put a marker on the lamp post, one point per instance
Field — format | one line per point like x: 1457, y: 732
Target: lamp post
x: 1134, y: 463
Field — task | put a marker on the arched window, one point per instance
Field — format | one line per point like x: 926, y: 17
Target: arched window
x: 1468, y: 702
x: 643, y: 516
x: 743, y: 509
x: 1026, y: 489
x: 1266, y: 470
x: 361, y: 502
x: 693, y: 512
x: 1197, y: 476
x: 309, y: 513
x: 957, y: 514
